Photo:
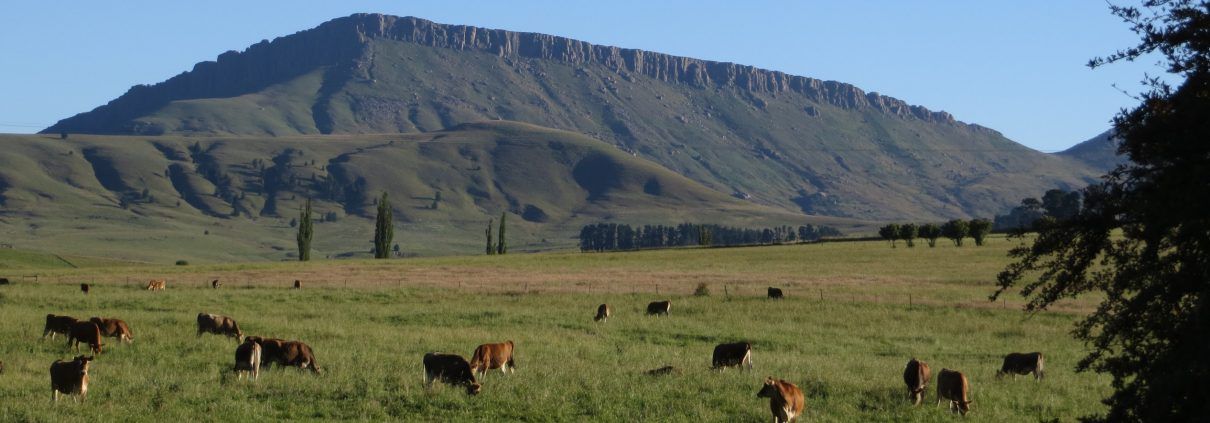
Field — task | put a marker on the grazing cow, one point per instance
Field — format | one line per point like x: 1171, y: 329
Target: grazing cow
x: 493, y: 356
x: 215, y: 284
x: 1023, y: 364
x: 738, y: 354
x: 57, y: 324
x: 451, y: 369
x: 603, y: 313
x: 218, y: 325
x: 659, y: 307
x: 247, y: 359
x: 113, y: 328
x: 4, y: 281
x: 785, y: 400
x: 663, y: 371
x: 69, y: 377
x: 916, y: 376
x: 286, y: 353
x: 953, y: 386
x: 776, y: 294
x: 84, y: 288
x: 86, y: 332
x: 297, y: 284
x: 156, y: 285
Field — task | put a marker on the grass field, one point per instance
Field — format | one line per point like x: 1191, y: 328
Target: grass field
x: 370, y: 322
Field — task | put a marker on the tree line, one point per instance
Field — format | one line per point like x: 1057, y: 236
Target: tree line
x: 1055, y: 204
x: 620, y: 236
x: 955, y: 230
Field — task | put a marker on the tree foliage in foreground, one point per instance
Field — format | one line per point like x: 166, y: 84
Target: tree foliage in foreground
x: 1139, y: 240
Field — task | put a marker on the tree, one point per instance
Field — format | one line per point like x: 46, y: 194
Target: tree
x: 907, y: 232
x: 930, y: 232
x: 491, y: 248
x: 1138, y: 243
x: 955, y: 230
x: 979, y: 229
x: 305, y: 232
x: 501, y: 245
x: 890, y: 232
x: 384, y: 228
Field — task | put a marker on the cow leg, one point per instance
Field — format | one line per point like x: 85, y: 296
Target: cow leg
x: 54, y: 395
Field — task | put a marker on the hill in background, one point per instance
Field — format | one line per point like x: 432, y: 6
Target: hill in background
x: 1099, y: 152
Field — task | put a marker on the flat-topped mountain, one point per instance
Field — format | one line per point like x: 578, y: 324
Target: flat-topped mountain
x: 801, y: 144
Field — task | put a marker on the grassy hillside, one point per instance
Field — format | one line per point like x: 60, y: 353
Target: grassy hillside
x: 232, y: 198
x: 820, y: 147
x: 370, y: 322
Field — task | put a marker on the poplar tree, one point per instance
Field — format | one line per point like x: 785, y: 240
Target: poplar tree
x: 384, y: 230
x: 501, y: 245
x: 305, y: 231
x: 491, y: 248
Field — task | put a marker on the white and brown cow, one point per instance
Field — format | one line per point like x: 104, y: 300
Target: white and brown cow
x: 156, y: 285
x: 286, y: 353
x: 603, y: 313
x: 953, y: 386
x: 1023, y: 364
x: 218, y: 325
x: 916, y: 376
x: 58, y: 325
x: 69, y: 377
x: 86, y: 332
x: 113, y: 328
x: 247, y: 359
x: 785, y: 400
x: 737, y: 354
x: 659, y: 307
x: 493, y: 356
x: 451, y: 369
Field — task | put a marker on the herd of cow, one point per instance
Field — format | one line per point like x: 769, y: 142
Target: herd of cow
x: 786, y: 400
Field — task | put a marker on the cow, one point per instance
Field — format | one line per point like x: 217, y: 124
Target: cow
x: 493, y: 356
x: 156, y: 285
x: 451, y: 369
x: 738, y: 354
x: 4, y: 281
x: 603, y: 313
x: 247, y: 359
x: 215, y: 284
x: 916, y: 376
x: 1023, y: 364
x: 953, y: 386
x: 785, y: 399
x: 286, y: 353
x: 84, y: 288
x: 86, y: 332
x: 218, y: 325
x: 57, y: 324
x: 659, y: 307
x: 776, y: 294
x: 69, y: 377
x: 113, y: 328
x: 297, y: 284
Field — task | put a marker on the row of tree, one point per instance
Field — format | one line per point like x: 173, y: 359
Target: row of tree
x: 618, y: 236
x: 955, y: 230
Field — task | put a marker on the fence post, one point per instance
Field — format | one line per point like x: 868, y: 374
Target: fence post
x: 725, y: 293
x: 909, y: 301
x: 820, y: 294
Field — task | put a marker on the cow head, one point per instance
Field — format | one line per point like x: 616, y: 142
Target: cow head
x: 472, y: 388
x: 82, y: 363
x: 964, y: 407
x: 769, y: 390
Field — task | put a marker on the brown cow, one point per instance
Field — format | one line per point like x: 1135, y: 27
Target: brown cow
x: 1023, y: 364
x: 603, y: 313
x: 738, y: 354
x: 156, y: 285
x: 297, y: 284
x: 451, y: 369
x: 493, y: 356
x: 247, y: 359
x: 286, y: 353
x: 659, y: 307
x: 218, y: 325
x: 215, y: 284
x: 776, y: 294
x: 785, y: 399
x: 953, y: 386
x: 69, y: 377
x: 86, y: 332
x: 113, y: 328
x: 57, y: 324
x: 84, y: 288
x: 916, y: 376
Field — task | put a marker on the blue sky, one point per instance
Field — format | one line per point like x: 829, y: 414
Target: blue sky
x: 1015, y: 66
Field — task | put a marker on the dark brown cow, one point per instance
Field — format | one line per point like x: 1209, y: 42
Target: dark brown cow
x: 247, y: 359
x: 738, y: 354
x: 218, y: 325
x: 953, y: 386
x: 603, y: 313
x: 113, y: 328
x: 916, y: 376
x: 86, y: 332
x: 69, y: 377
x: 4, y: 281
x: 451, y: 369
x: 286, y: 353
x: 493, y: 356
x: 57, y: 324
x: 215, y: 284
x: 1023, y: 364
x: 297, y: 284
x: 776, y: 294
x: 785, y: 400
x: 84, y: 288
x: 157, y: 285
x: 659, y: 307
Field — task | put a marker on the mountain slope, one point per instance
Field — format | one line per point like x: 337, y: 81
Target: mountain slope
x: 232, y: 198
x: 1099, y: 152
x: 819, y: 147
